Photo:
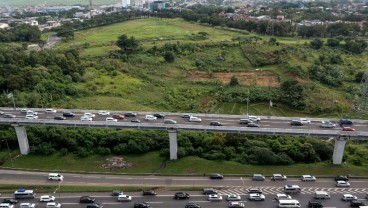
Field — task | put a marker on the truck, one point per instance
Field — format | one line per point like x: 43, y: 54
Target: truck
x: 322, y: 195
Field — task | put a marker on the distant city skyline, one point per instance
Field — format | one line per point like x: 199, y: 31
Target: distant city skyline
x: 12, y: 3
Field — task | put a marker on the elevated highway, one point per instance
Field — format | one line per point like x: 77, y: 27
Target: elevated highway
x: 267, y: 126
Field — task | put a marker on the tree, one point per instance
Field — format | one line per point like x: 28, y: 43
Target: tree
x: 316, y: 43
x: 169, y: 57
x: 234, y: 81
x: 127, y: 45
x: 333, y: 42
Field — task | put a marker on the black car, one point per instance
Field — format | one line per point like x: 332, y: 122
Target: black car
x: 254, y: 191
x: 68, y: 114
x: 192, y: 205
x: 181, y: 195
x: 159, y: 115
x: 134, y: 120
x: 341, y: 178
x: 95, y: 205
x: 10, y: 200
x: 116, y: 193
x: 141, y: 205
x: 149, y: 192
x: 86, y: 199
x: 314, y: 204
x: 216, y: 176
x: 345, y: 121
x: 130, y: 114
x: 59, y: 118
x: 356, y: 203
x: 215, y: 123
x: 296, y: 123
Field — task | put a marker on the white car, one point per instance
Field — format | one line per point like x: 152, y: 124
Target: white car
x: 30, y: 112
x: 86, y: 118
x: 47, y: 198
x: 282, y: 197
x: 7, y: 205
x: 342, y: 184
x: 327, y: 124
x: 53, y: 205
x: 150, y: 118
x: 124, y: 198
x: 254, y: 118
x: 103, y: 113
x: 233, y: 197
x: 111, y: 119
x: 305, y: 121
x: 194, y: 119
x: 92, y: 115
x: 348, y: 197
x: 236, y: 205
x: 27, y: 205
x: 257, y: 197
x: 308, y: 178
x: 50, y: 110
x: 30, y: 116
x: 214, y: 197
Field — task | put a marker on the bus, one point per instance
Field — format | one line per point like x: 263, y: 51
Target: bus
x: 24, y: 194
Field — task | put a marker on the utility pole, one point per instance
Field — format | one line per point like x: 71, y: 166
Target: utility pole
x: 247, y: 99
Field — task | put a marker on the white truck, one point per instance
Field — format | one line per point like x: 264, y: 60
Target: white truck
x: 322, y: 195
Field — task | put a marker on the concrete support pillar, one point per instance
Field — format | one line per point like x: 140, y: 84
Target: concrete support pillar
x: 22, y: 139
x: 173, y: 136
x: 338, y: 152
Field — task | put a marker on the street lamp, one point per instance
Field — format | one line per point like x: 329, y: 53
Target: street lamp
x: 7, y: 145
x: 247, y: 99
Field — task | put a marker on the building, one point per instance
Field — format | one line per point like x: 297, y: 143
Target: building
x: 157, y: 6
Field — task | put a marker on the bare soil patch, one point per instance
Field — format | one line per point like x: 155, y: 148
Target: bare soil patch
x: 259, y: 78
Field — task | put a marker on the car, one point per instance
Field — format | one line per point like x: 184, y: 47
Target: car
x: 24, y: 110
x: 342, y: 184
x: 124, y: 198
x: 59, y: 118
x: 254, y: 118
x: 214, y: 198
x: 8, y: 115
x: 208, y: 191
x: 47, y: 198
x: 236, y: 205
x: 53, y: 205
x: 296, y: 123
x: 86, y: 199
x: 68, y: 114
x: 195, y: 119
x: 256, y: 197
x: 258, y: 177
x: 215, y: 123
x: 130, y: 114
x: 186, y: 116
x: 315, y: 204
x: 282, y: 197
x: 278, y: 177
x: 341, y: 178
x: 308, y: 178
x: 159, y: 115
x: 31, y: 116
x: 251, y: 124
x: 92, y: 115
x: 103, y: 113
x: 150, y: 118
x: 141, y: 205
x: 149, y: 192
x: 192, y: 205
x: 245, y: 121
x: 118, y: 116
x: 304, y: 121
x: 345, y: 121
x: 357, y: 203
x: 135, y: 120
x: 181, y: 195
x: 110, y: 119
x: 27, y: 205
x: 347, y: 128
x: 233, y: 197
x: 50, y: 110
x: 6, y: 205
x: 327, y: 124
x: 254, y: 190
x: 216, y: 176
x: 55, y: 177
x: 116, y: 193
x: 94, y: 205
x: 348, y: 197
x: 86, y: 118
x: 31, y: 112
x: 10, y: 201
x: 169, y: 121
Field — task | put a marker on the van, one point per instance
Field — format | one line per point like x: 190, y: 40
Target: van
x: 292, y: 203
x: 56, y: 177
x: 322, y: 195
x: 6, y: 205
x: 291, y: 189
x: 208, y: 191
x: 24, y: 194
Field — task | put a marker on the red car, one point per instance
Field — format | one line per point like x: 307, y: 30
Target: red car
x: 348, y: 129
x: 118, y: 116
